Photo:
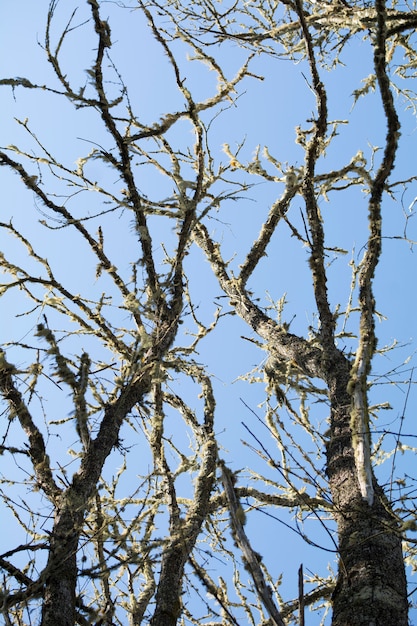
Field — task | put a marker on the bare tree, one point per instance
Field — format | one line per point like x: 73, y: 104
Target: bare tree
x: 114, y: 468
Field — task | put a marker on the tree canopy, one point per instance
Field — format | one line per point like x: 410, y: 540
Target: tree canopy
x: 205, y: 372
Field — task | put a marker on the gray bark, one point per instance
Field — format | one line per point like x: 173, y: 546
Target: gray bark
x: 60, y: 574
x: 371, y: 586
x: 61, y: 571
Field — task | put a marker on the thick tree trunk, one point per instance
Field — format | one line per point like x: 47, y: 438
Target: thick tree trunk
x: 371, y: 587
x: 61, y: 570
x: 168, y: 597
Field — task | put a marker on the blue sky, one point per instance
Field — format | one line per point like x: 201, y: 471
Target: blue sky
x: 265, y: 114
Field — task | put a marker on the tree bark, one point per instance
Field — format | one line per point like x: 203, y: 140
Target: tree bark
x: 371, y: 586
x: 60, y: 574
x: 61, y: 570
x: 168, y: 596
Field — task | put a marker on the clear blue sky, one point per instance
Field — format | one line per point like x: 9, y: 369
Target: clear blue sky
x: 266, y: 114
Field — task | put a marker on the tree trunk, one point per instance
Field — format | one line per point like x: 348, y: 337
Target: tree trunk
x: 371, y: 587
x: 168, y: 597
x: 61, y: 570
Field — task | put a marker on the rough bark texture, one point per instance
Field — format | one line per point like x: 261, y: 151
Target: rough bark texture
x: 168, y: 599
x: 145, y: 353
x: 61, y: 570
x: 371, y: 586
